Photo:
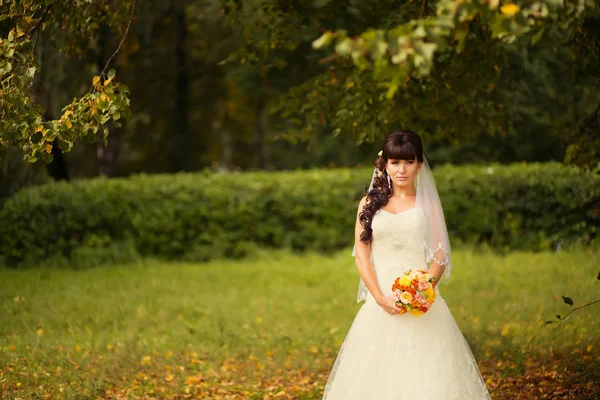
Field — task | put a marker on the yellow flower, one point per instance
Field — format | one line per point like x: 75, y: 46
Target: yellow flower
x: 406, y: 297
x: 404, y: 281
x: 430, y: 294
x: 510, y: 9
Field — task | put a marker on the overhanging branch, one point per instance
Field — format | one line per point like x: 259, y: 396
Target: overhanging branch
x: 39, y: 21
x: 131, y: 17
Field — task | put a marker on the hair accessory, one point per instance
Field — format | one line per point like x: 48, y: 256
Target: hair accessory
x: 377, y: 171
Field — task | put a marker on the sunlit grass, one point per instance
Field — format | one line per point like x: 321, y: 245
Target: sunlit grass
x: 164, y: 328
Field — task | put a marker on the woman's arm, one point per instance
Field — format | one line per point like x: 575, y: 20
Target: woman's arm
x: 436, y: 271
x: 363, y: 257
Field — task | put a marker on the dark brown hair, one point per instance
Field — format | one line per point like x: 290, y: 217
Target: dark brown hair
x: 398, y: 145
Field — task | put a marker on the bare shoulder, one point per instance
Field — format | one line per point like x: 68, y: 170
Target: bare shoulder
x: 362, y: 203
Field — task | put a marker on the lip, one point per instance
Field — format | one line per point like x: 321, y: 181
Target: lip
x: 403, y: 178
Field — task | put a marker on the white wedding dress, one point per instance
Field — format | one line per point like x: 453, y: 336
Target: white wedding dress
x: 403, y: 357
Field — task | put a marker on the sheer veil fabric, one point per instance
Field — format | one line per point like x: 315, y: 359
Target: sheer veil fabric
x: 436, y: 246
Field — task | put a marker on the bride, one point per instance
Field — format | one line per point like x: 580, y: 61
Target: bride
x: 387, y: 355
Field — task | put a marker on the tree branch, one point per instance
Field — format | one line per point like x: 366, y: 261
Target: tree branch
x: 131, y: 17
x: 39, y: 21
x: 329, y: 58
x: 577, y: 308
x: 423, y: 9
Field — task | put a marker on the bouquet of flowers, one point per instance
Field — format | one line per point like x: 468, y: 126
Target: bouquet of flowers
x: 414, y: 292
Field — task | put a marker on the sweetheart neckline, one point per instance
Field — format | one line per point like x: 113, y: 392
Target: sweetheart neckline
x: 401, y: 212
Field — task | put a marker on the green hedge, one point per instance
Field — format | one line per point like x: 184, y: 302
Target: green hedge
x: 204, y: 215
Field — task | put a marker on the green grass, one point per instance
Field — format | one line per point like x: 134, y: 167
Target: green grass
x: 194, y: 328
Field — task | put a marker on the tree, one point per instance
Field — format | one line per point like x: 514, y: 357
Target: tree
x: 23, y: 121
x: 452, y: 69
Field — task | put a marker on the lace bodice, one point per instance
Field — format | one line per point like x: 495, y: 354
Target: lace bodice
x: 398, y: 237
x: 398, y: 244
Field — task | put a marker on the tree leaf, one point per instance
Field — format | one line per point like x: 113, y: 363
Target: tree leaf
x: 536, y: 38
x: 568, y: 300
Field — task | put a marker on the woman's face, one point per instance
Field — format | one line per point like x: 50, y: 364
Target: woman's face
x: 403, y: 172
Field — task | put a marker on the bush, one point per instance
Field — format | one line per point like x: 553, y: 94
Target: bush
x: 534, y: 206
x: 200, y: 216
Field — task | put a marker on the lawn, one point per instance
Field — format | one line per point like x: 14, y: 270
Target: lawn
x: 270, y: 326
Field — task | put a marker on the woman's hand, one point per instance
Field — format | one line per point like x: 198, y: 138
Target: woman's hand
x: 388, y: 304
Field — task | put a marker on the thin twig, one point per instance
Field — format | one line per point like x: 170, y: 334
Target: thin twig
x: 39, y: 21
x: 577, y: 308
x: 131, y: 17
x: 329, y: 58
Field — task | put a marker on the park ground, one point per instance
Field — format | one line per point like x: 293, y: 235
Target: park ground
x: 269, y: 326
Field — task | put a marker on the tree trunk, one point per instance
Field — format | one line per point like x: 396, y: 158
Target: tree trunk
x: 107, y: 155
x: 262, y: 149
x: 182, y: 88
x: 226, y: 140
x: 57, y: 168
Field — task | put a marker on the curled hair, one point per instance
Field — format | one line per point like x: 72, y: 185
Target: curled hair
x: 398, y: 145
